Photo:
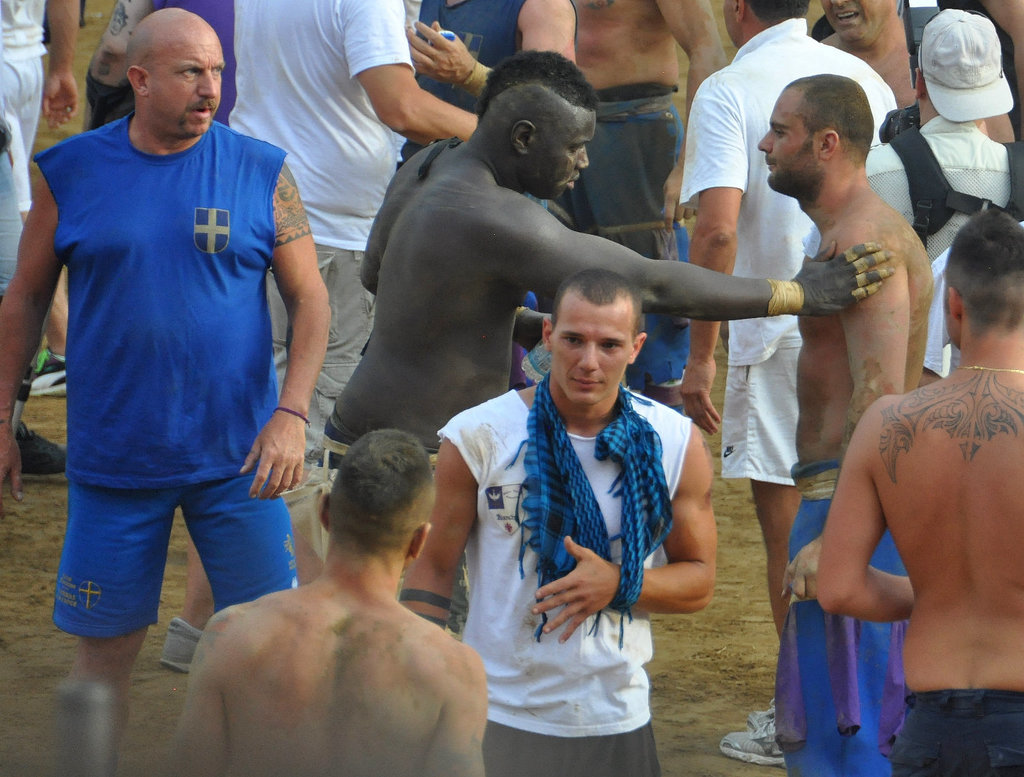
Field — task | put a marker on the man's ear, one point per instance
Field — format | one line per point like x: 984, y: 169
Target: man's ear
x: 522, y: 135
x: 416, y: 543
x: 954, y: 304
x: 546, y: 328
x: 828, y: 143
x: 139, y: 79
x: 920, y: 87
x: 954, y: 315
x: 638, y: 343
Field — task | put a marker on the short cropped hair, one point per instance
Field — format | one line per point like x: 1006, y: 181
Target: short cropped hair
x: 600, y: 287
x: 546, y: 68
x: 377, y: 491
x: 775, y: 11
x: 839, y: 103
x: 986, y: 266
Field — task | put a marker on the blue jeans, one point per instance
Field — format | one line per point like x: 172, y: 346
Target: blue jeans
x: 971, y: 733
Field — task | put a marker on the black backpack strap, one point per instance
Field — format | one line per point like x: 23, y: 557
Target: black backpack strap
x: 1015, y: 207
x: 928, y: 185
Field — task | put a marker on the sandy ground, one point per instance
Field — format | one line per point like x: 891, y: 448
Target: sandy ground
x: 710, y: 669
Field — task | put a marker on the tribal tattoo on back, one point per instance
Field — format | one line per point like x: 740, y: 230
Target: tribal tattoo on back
x: 971, y: 412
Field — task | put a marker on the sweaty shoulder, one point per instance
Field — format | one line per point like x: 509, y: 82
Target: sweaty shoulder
x: 899, y: 237
x: 442, y: 662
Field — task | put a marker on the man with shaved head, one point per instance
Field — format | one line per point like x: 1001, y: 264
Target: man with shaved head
x: 190, y: 407
x: 299, y: 683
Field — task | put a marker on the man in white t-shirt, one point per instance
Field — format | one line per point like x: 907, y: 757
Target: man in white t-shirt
x: 25, y: 88
x: 746, y: 229
x: 582, y: 508
x: 328, y: 80
x: 22, y: 88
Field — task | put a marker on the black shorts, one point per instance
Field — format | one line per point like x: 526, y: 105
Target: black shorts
x: 511, y: 752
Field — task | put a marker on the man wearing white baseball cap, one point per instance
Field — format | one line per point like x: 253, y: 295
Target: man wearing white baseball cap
x: 960, y: 82
x: 962, y: 64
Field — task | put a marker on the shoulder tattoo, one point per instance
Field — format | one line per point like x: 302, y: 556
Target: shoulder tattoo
x: 972, y: 413
x: 289, y: 215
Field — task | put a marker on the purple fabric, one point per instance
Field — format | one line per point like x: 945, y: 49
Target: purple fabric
x: 790, y: 715
x: 842, y: 637
x: 842, y: 640
x: 894, y: 696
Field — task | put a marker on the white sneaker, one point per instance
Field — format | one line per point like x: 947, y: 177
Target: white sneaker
x: 761, y: 723
x: 744, y: 747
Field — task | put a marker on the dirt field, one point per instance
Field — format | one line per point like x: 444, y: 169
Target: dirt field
x: 710, y: 669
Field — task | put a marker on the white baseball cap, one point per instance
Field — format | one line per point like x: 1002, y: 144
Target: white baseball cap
x: 963, y: 67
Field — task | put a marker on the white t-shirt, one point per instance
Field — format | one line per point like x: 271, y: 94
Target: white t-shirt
x: 973, y: 164
x: 729, y: 116
x: 23, y: 29
x: 587, y: 686
x: 297, y: 89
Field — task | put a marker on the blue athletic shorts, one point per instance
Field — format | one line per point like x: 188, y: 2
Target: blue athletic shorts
x: 115, y: 549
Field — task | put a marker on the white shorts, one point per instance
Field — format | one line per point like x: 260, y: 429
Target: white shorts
x: 23, y: 96
x: 759, y: 419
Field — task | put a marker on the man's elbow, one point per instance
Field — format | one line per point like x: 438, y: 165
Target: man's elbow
x: 701, y: 593
x: 398, y: 116
x: 834, y: 595
x: 711, y: 242
x: 404, y: 114
x: 703, y: 600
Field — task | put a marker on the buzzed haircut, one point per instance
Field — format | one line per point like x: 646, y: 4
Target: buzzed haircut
x: 546, y: 68
x: 600, y: 287
x: 775, y: 11
x: 839, y: 103
x: 375, y: 500
x: 986, y: 266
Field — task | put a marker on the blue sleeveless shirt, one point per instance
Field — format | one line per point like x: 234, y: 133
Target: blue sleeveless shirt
x: 169, y: 358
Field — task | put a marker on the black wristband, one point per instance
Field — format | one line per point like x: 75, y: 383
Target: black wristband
x: 427, y: 597
x: 443, y: 623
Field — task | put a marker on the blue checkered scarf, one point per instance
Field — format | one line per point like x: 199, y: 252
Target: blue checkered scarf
x: 560, y: 501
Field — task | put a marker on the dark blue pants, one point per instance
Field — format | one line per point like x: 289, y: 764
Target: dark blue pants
x: 973, y: 733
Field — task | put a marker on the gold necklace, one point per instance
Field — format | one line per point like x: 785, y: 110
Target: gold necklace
x: 990, y: 369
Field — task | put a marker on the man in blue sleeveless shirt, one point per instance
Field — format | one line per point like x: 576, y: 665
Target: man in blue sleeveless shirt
x: 210, y: 212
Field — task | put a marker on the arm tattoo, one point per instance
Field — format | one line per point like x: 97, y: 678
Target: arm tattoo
x: 289, y: 215
x: 972, y: 412
x: 118, y: 19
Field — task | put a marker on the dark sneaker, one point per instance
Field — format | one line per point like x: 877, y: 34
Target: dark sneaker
x: 49, y: 377
x: 39, y: 456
